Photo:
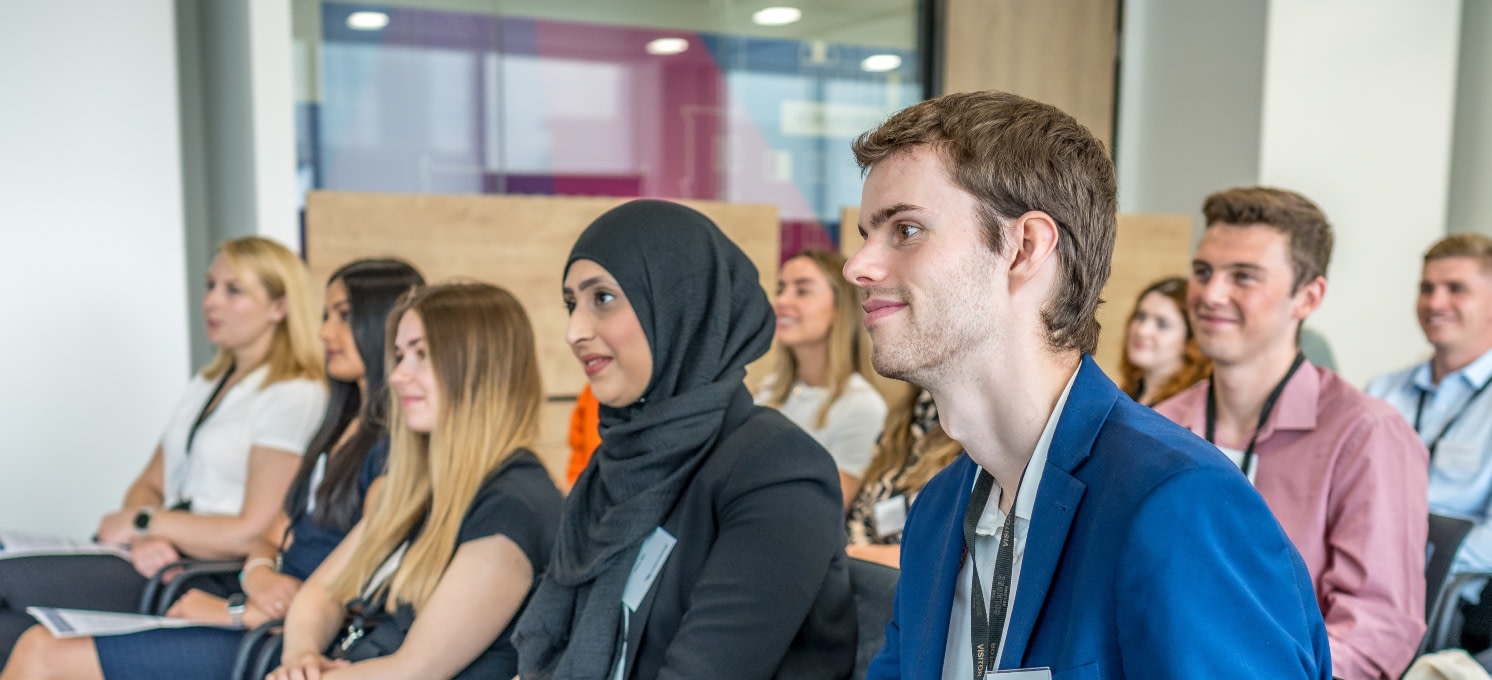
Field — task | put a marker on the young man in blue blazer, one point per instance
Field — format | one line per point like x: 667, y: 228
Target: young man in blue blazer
x: 1083, y: 536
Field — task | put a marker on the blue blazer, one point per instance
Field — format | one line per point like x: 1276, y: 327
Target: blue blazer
x: 1149, y: 556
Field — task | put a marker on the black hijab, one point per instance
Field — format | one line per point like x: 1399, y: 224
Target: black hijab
x: 701, y: 305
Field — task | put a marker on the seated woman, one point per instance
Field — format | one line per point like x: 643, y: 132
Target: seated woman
x: 325, y: 500
x: 819, y: 381
x: 455, y: 538
x: 912, y: 449
x: 731, y: 510
x: 219, y: 474
x: 1161, y: 357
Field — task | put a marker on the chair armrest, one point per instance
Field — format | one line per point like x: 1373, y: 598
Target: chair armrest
x: 1438, y: 626
x: 168, y: 583
x: 257, y: 651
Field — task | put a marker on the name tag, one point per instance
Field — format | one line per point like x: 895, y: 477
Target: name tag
x: 650, y: 559
x: 1458, y: 457
x: 1021, y: 674
x: 891, y: 516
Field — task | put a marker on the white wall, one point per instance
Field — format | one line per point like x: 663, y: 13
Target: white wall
x: 93, y: 321
x: 1189, y: 102
x: 1471, y: 159
x: 1358, y: 103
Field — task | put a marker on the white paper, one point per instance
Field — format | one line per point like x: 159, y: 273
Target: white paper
x: 66, y: 623
x: 20, y: 544
x: 891, y: 516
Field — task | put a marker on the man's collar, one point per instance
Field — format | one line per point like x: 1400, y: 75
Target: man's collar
x: 1474, y: 374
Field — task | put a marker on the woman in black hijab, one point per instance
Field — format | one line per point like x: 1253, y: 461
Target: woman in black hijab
x: 705, y: 539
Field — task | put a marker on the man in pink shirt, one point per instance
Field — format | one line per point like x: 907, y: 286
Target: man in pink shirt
x: 1343, y: 472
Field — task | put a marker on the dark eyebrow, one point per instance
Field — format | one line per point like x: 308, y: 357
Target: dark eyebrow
x: 880, y: 217
x: 593, y: 281
x: 1232, y: 265
x: 414, y: 341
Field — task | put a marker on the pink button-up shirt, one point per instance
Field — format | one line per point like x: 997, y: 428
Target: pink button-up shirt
x: 1346, y: 477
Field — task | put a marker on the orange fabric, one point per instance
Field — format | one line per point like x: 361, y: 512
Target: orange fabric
x: 585, y: 435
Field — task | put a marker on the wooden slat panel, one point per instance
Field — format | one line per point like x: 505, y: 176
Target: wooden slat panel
x: 1057, y: 51
x: 518, y: 242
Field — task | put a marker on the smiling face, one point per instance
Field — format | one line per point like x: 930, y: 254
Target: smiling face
x: 605, y: 335
x: 1240, y: 298
x: 342, y: 359
x: 1455, y: 305
x: 804, y: 304
x: 413, y: 377
x: 932, y: 290
x: 1156, y: 338
x: 237, y: 308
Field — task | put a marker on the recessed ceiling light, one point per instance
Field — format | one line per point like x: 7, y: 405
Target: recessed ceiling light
x: 667, y: 46
x: 878, y: 63
x: 367, y: 21
x: 776, y: 16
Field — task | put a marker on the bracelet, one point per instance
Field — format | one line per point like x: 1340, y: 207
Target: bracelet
x: 251, y: 564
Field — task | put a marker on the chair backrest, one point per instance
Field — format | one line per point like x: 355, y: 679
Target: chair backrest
x: 1446, y: 535
x: 874, y: 586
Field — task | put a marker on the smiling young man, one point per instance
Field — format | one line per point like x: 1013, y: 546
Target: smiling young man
x: 1082, y: 532
x: 1443, y: 398
x: 1340, y: 470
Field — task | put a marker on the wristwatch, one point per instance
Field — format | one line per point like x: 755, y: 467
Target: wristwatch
x: 142, y: 520
x: 237, y: 603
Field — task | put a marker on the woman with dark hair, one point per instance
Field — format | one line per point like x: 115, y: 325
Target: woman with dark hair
x: 706, y: 538
x: 324, y: 502
x: 1161, y: 356
x: 428, y: 584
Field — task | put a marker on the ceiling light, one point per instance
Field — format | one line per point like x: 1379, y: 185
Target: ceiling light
x: 667, y: 46
x: 879, y: 63
x: 777, y: 16
x: 367, y: 21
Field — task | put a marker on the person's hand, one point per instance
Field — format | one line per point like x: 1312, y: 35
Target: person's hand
x: 150, y: 555
x: 201, y: 607
x: 270, y: 591
x: 117, y: 528
x: 308, y: 667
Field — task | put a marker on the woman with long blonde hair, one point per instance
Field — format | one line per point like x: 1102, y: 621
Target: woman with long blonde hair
x: 233, y: 444
x: 823, y: 356
x: 429, y: 583
x: 913, y: 447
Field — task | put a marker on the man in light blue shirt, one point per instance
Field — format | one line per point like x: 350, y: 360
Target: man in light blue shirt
x: 1447, y: 398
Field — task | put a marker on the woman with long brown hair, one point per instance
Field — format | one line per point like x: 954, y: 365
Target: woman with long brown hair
x: 429, y: 583
x: 1161, y: 356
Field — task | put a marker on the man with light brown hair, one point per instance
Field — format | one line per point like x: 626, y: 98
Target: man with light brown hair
x: 1443, y: 398
x: 1342, y: 472
x: 1081, y: 531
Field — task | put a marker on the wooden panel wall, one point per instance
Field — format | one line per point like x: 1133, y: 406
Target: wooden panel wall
x: 1146, y: 248
x: 1062, y: 52
x: 518, y: 242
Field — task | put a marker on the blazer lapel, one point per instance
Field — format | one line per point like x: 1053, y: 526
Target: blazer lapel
x: 1087, y: 407
x: 944, y: 557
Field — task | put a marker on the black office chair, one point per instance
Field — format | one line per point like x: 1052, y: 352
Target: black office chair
x: 1442, y: 595
x: 259, y: 652
x: 172, y: 581
x: 874, y: 586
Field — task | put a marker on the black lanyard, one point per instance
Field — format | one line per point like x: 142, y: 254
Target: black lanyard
x: 1274, y: 396
x: 1419, y: 410
x: 988, y: 626
x: 207, y: 409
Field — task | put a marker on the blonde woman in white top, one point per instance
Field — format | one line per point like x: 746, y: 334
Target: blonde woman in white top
x: 219, y: 474
x: 823, y: 356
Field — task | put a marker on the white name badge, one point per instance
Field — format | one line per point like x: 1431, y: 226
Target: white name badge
x: 891, y: 516
x: 1021, y: 674
x: 650, y: 559
x: 1458, y: 457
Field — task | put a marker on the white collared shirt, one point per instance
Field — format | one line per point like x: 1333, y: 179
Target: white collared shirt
x: 958, y: 655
